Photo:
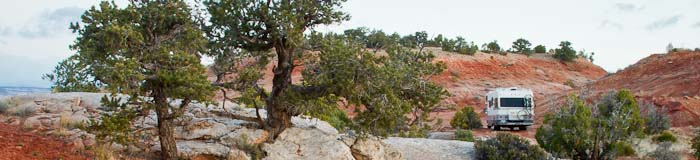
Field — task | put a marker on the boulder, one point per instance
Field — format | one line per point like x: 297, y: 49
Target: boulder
x: 441, y: 135
x: 307, y: 143
x: 201, y: 129
x: 252, y: 136
x: 371, y: 148
x: 198, y: 149
x: 305, y: 122
x: 236, y: 154
x: 421, y: 148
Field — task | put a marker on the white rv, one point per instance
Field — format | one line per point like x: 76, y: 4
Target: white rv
x: 509, y: 107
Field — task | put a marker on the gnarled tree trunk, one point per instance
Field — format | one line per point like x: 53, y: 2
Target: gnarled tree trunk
x: 279, y: 116
x: 166, y: 129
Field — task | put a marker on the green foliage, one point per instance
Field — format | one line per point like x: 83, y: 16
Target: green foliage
x: 695, y: 145
x: 70, y: 75
x: 566, y: 133
x: 522, y: 46
x: 149, y: 51
x: 3, y: 106
x: 664, y: 152
x: 656, y: 119
x: 24, y: 112
x: 399, y: 85
x: 665, y: 136
x: 492, y: 47
x: 436, y: 41
x: 464, y: 135
x: 621, y: 148
x: 466, y: 119
x: 114, y: 127
x: 576, y: 132
x: 565, y: 52
x: 508, y: 146
x: 540, y: 49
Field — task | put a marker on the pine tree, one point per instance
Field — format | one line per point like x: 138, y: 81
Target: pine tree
x: 149, y: 51
x: 387, y: 87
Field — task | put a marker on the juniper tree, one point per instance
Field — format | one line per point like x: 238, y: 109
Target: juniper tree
x: 565, y: 52
x: 383, y: 89
x: 522, y: 46
x: 491, y: 47
x: 540, y: 49
x: 149, y: 51
x: 581, y: 131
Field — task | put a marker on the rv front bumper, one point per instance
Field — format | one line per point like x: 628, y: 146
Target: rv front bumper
x: 514, y: 122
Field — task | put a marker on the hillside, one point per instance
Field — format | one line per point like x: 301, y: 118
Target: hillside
x: 468, y: 78
x: 667, y: 80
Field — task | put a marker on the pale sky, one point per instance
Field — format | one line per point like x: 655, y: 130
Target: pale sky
x: 34, y: 34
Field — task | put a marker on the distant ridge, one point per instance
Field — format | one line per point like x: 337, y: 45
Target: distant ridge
x: 12, y: 91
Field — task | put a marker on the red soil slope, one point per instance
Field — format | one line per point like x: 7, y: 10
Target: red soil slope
x: 16, y: 144
x: 667, y: 80
x: 468, y: 78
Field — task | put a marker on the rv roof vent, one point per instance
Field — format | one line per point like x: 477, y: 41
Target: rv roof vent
x: 513, y: 88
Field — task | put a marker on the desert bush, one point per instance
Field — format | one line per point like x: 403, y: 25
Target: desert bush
x: 621, y: 148
x: 575, y: 131
x: 3, y: 106
x: 566, y: 52
x: 103, y: 152
x: 24, y: 112
x: 695, y: 145
x: 665, y: 136
x: 664, y: 152
x: 507, y: 146
x: 464, y: 135
x: 466, y: 119
x: 254, y: 150
x: 656, y: 119
x: 570, y: 83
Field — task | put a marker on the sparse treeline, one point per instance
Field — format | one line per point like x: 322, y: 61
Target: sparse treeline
x: 379, y: 40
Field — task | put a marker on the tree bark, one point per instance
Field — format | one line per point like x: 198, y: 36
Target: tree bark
x: 279, y: 116
x: 166, y: 129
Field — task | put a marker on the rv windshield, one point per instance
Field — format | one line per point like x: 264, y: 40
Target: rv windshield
x: 513, y: 102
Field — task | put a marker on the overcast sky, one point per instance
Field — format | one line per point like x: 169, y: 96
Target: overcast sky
x: 34, y: 34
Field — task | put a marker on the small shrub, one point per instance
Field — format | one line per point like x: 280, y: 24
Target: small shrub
x: 102, y: 151
x: 507, y: 146
x: 466, y: 119
x: 24, y: 112
x: 695, y: 145
x: 656, y: 119
x: 415, y: 132
x: 252, y: 149
x: 665, y: 136
x: 622, y: 148
x: 664, y: 152
x: 570, y: 83
x: 464, y: 135
x: 3, y: 106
